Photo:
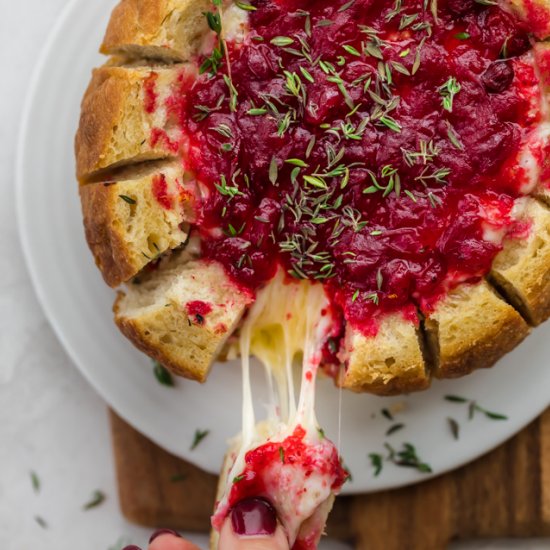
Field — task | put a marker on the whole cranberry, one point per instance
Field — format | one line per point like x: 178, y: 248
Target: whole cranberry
x: 498, y: 77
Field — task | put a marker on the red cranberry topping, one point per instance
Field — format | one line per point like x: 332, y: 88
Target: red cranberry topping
x: 356, y: 144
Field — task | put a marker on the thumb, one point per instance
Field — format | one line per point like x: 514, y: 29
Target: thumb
x: 253, y: 525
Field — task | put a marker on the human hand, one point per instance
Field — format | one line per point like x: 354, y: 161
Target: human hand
x: 252, y: 524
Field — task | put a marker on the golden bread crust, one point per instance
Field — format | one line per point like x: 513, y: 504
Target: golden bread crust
x: 389, y: 363
x: 472, y: 328
x: 115, y: 128
x: 127, y: 227
x: 164, y: 29
x: 522, y: 270
x: 160, y: 318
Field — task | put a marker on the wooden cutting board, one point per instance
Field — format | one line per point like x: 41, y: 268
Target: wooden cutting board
x: 503, y: 494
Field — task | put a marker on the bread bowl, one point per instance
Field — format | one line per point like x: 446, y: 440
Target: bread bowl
x: 394, y: 154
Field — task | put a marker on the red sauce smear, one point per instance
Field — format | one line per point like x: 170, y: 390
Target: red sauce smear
x: 151, y: 96
x: 160, y: 191
x: 348, y: 155
x: 199, y: 310
x: 198, y: 307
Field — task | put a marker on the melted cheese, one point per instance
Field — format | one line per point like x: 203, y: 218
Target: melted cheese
x: 287, y: 321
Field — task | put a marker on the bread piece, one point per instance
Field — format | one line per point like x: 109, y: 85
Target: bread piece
x: 522, y: 270
x: 472, y: 328
x: 129, y: 223
x: 157, y: 29
x: 534, y: 13
x: 386, y: 364
x: 123, y: 118
x: 181, y: 314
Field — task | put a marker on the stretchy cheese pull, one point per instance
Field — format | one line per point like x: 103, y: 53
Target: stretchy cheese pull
x: 285, y: 458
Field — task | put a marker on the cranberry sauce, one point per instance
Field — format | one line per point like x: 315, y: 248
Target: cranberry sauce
x: 362, y: 144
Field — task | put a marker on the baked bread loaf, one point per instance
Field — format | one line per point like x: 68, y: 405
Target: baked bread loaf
x: 436, y: 295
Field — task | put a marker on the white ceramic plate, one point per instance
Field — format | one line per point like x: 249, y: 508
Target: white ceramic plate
x: 78, y: 304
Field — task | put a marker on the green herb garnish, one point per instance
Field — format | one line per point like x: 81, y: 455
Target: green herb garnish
x: 199, y: 436
x: 163, y: 375
x: 454, y: 426
x: 98, y: 497
x: 35, y: 480
x: 377, y: 462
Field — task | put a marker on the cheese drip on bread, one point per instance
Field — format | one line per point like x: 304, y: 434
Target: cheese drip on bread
x: 288, y: 321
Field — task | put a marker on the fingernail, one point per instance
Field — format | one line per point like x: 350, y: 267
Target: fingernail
x: 254, y: 516
x: 131, y: 547
x: 160, y: 532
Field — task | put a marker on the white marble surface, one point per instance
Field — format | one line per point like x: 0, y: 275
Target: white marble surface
x: 51, y: 421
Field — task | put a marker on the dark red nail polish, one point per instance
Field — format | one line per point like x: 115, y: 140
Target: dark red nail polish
x: 131, y: 547
x: 254, y: 516
x: 160, y: 532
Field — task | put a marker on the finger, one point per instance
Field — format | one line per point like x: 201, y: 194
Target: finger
x: 252, y: 525
x: 165, y: 539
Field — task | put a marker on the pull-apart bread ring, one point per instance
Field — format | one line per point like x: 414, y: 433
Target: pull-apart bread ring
x: 395, y: 154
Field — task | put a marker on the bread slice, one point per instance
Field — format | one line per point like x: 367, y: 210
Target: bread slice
x: 171, y: 30
x: 182, y: 313
x: 534, y: 13
x: 389, y: 363
x: 521, y: 271
x: 471, y: 328
x: 131, y: 222
x: 121, y: 111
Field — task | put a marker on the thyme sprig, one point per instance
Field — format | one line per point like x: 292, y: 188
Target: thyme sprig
x: 406, y: 457
x: 474, y: 408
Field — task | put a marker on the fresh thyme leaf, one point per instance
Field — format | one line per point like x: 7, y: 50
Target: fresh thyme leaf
x: 98, y: 497
x: 387, y: 414
x: 282, y: 41
x: 297, y: 162
x: 282, y: 454
x: 199, y: 436
x: 448, y: 92
x: 493, y: 415
x: 35, y: 480
x: 236, y: 479
x: 257, y: 111
x: 346, y: 6
x: 351, y: 50
x: 245, y: 6
x: 377, y: 462
x: 41, y: 521
x: 395, y: 428
x: 163, y: 375
x: 454, y: 426
x: 128, y: 199
x: 408, y: 458
x: 273, y: 171
x: 473, y: 407
x: 456, y: 399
